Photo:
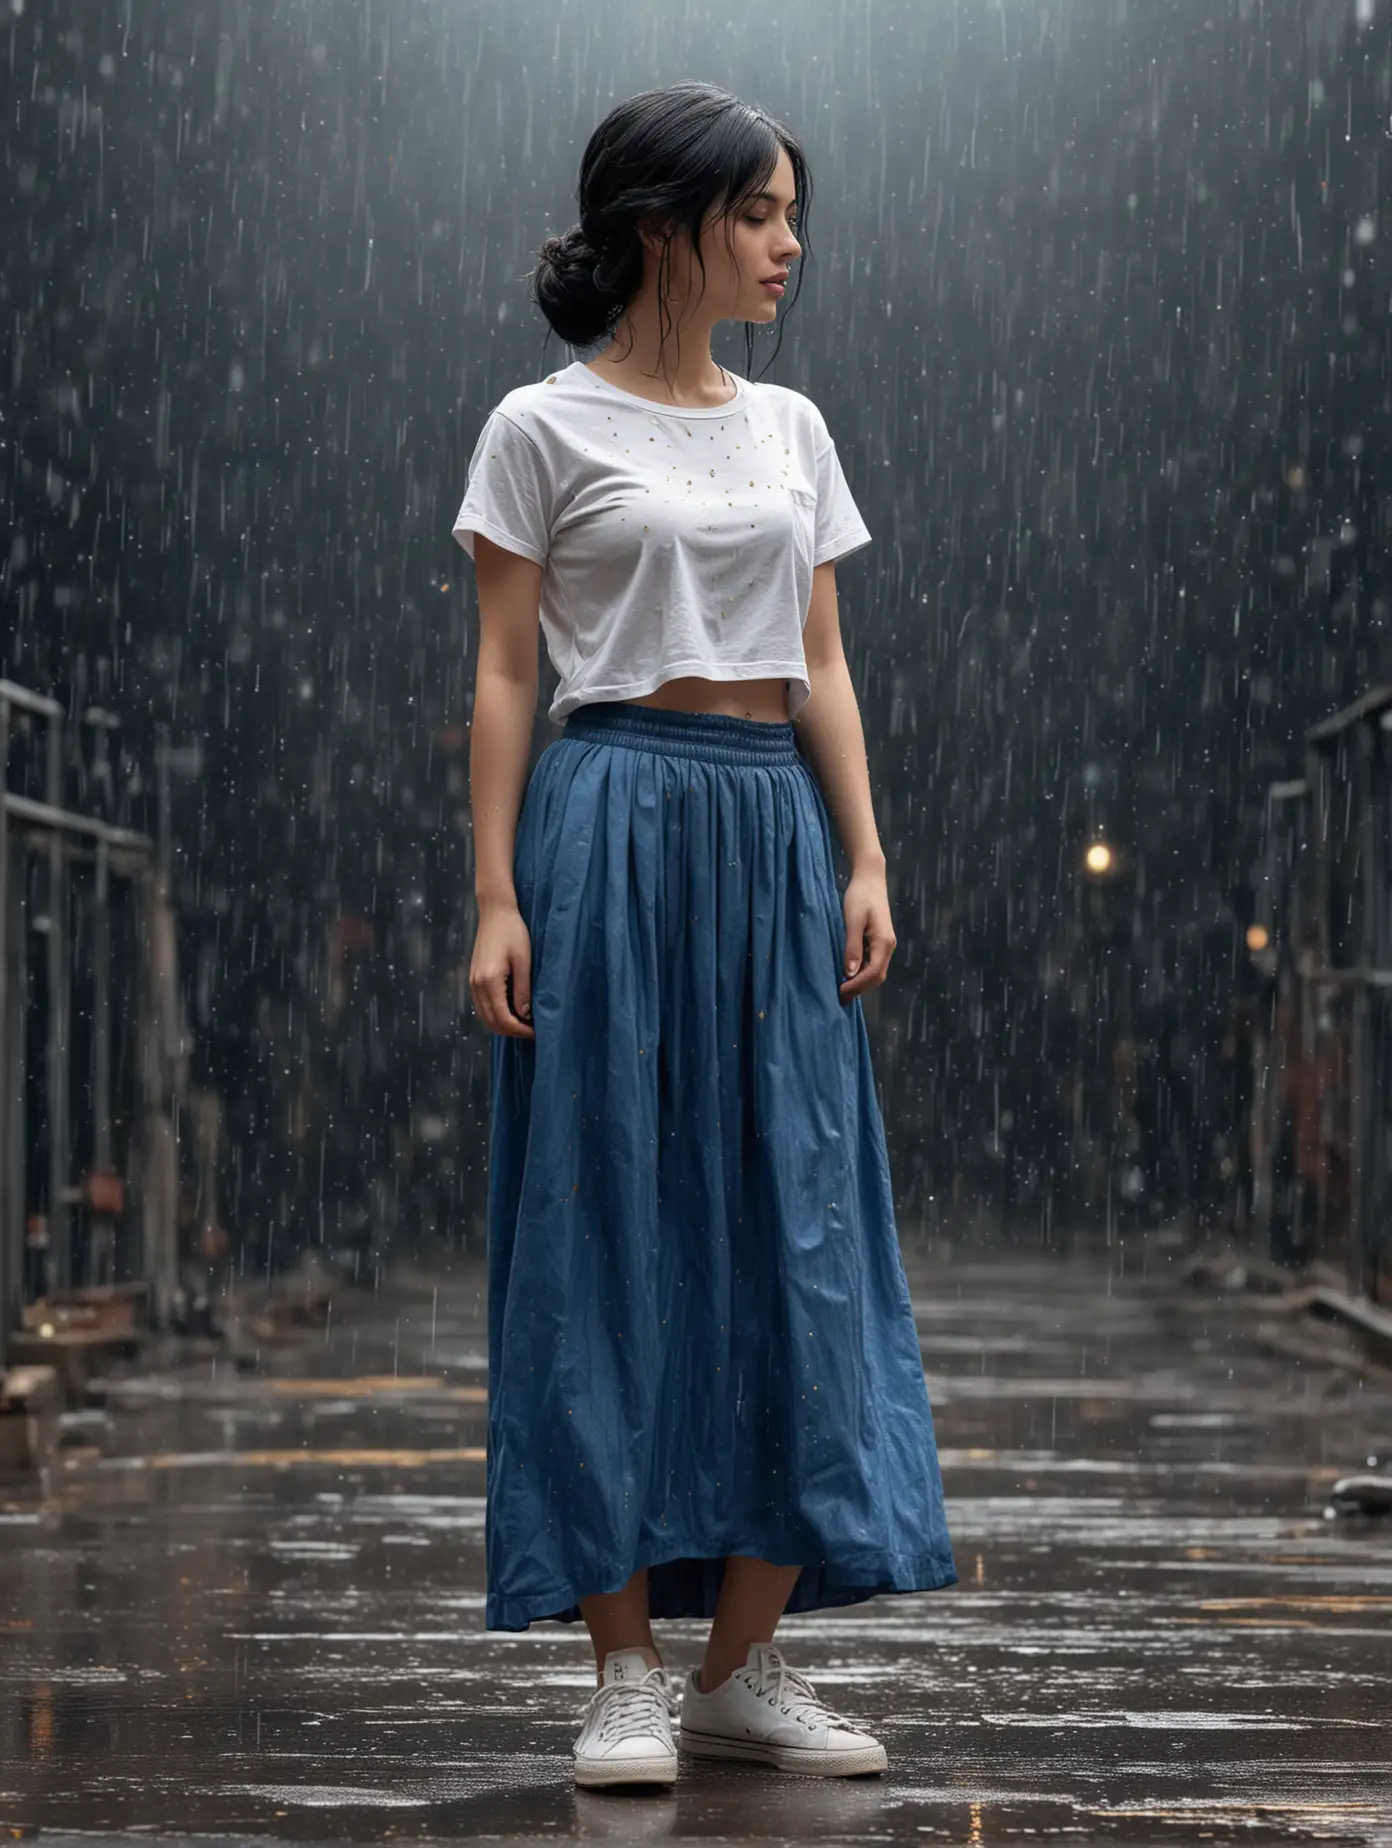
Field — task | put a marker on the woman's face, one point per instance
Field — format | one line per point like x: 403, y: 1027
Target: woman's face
x: 756, y: 241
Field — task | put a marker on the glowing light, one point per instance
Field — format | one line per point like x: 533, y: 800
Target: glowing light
x: 1099, y: 857
x: 1257, y: 938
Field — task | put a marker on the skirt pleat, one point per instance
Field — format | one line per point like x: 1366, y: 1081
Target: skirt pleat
x: 700, y: 1335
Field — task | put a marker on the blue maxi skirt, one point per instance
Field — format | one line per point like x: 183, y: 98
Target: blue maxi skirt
x: 700, y: 1335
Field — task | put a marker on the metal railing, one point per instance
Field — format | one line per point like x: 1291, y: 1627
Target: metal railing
x: 65, y: 841
x: 1322, y: 1120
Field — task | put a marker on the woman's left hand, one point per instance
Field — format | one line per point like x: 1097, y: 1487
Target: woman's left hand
x: 870, y: 938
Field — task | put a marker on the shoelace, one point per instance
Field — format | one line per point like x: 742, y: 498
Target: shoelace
x: 795, y: 1694
x: 632, y: 1707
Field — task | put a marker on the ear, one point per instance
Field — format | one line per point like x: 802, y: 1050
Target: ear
x: 651, y: 232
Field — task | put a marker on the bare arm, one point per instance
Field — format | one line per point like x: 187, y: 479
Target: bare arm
x: 500, y: 736
x: 829, y: 727
x: 505, y: 692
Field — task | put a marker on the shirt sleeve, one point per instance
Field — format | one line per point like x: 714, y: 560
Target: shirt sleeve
x: 840, y: 528
x: 508, y: 498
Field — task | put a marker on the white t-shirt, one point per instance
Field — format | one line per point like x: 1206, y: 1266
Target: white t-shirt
x: 674, y: 542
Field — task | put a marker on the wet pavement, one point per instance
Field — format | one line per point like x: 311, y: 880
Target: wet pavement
x: 251, y: 1604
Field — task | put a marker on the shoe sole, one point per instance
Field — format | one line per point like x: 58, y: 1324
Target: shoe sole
x: 855, y: 1763
x: 594, y: 1772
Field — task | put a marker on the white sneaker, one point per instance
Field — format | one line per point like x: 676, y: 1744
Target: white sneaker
x: 671, y: 1693
x: 768, y: 1713
x: 627, y: 1734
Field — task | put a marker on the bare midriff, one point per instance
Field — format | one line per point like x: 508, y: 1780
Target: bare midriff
x: 737, y: 699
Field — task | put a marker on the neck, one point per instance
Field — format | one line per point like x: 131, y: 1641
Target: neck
x: 639, y: 352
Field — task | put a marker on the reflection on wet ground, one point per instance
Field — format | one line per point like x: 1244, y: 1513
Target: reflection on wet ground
x: 254, y: 1607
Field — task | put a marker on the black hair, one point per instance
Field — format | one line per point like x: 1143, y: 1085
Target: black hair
x: 660, y: 160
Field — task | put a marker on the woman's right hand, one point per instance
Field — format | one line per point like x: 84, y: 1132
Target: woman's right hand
x: 502, y: 956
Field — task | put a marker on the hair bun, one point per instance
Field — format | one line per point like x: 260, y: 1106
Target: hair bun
x: 571, y: 286
x: 571, y: 247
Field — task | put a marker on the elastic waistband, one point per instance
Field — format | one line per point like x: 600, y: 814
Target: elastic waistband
x: 715, y: 736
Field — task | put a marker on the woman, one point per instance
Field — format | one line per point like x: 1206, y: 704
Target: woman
x: 706, y: 1395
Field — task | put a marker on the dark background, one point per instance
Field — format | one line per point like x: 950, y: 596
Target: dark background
x: 1096, y: 307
